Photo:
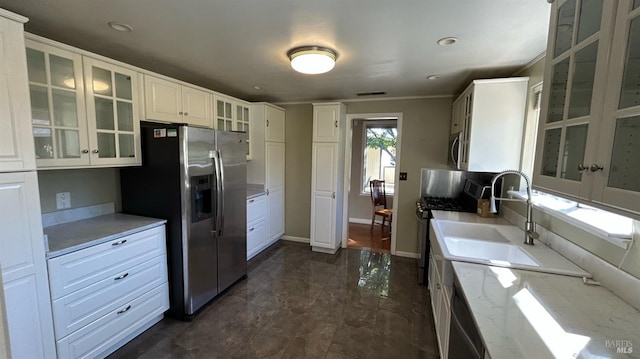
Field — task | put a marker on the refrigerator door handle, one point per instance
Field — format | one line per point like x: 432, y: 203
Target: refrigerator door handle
x: 219, y: 173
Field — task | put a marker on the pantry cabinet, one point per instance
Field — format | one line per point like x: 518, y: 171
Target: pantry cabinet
x: 327, y: 172
x: 172, y: 102
x: 588, y: 136
x: 16, y: 144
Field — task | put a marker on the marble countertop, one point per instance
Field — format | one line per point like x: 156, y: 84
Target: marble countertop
x: 255, y: 190
x: 524, y: 314
x: 549, y: 260
x: 70, y: 237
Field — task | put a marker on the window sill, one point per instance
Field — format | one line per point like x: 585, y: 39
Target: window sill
x: 613, y: 228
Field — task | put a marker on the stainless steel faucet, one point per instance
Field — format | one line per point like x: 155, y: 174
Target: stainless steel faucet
x: 529, y: 226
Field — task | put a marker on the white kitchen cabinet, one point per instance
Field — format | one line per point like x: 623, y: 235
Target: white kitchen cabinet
x: 588, y: 133
x: 16, y: 143
x: 172, y: 102
x: 490, y: 114
x: 24, y: 270
x: 327, y: 120
x: 58, y: 112
x: 256, y: 225
x: 112, y: 111
x: 267, y: 165
x: 440, y: 289
x: 103, y: 294
x: 224, y: 112
x: 243, y: 122
x: 327, y: 171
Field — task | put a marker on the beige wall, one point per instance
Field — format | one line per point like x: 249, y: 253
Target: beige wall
x: 424, y: 137
x: 87, y: 187
x: 598, y: 246
x: 298, y: 133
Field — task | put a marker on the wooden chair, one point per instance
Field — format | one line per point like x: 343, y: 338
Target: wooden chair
x: 379, y: 198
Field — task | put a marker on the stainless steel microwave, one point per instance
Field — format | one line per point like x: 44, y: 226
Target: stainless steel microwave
x: 455, y: 143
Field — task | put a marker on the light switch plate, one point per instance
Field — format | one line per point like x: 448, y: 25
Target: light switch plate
x: 63, y: 200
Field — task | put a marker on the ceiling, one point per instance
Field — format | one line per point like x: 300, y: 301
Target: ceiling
x: 231, y: 46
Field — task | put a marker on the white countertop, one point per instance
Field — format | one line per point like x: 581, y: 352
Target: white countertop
x: 549, y: 260
x: 69, y: 237
x: 524, y: 314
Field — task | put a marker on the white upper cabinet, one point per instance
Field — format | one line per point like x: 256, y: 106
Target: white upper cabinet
x: 243, y: 122
x: 169, y: 101
x: 490, y: 114
x: 58, y: 111
x: 589, y: 132
x: 224, y: 112
x: 16, y: 143
x: 326, y: 124
x: 112, y: 112
x: 274, y: 124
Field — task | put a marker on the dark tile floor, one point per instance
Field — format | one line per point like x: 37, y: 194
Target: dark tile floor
x: 299, y: 304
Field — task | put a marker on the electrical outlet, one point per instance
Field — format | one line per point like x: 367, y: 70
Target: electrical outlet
x: 63, y: 200
x: 403, y: 176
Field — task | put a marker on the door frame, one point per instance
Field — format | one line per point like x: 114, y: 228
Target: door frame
x: 347, y: 170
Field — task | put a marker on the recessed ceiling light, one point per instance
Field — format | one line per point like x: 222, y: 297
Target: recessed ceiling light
x: 447, y: 41
x: 257, y: 88
x: 312, y: 60
x: 118, y: 26
x: 433, y: 77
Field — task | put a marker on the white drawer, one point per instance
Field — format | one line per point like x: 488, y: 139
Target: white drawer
x: 83, y: 306
x: 92, y: 340
x: 256, y: 209
x: 85, y: 267
x: 256, y: 238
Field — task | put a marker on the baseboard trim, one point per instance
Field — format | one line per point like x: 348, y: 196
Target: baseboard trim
x: 359, y: 220
x: 407, y: 254
x: 296, y: 239
x: 325, y: 250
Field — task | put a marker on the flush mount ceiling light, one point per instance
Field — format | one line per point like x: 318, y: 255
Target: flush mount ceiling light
x: 445, y: 41
x: 312, y: 59
x: 118, y: 26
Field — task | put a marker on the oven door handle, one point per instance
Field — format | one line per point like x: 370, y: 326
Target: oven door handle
x: 465, y: 337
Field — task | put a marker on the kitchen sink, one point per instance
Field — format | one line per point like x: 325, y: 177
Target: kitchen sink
x: 497, y: 253
x: 473, y: 231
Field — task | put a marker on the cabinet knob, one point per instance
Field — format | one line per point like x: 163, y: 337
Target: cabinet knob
x: 267, y: 191
x: 595, y: 168
x: 180, y: 113
x: 251, y: 200
x: 186, y: 113
x: 333, y: 195
x: 95, y: 151
x: 85, y: 151
x: 252, y: 228
x: 267, y: 123
x: 438, y: 285
x: 582, y: 168
x: 336, y: 123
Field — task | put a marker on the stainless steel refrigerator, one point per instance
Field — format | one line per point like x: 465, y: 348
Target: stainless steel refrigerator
x: 196, y: 179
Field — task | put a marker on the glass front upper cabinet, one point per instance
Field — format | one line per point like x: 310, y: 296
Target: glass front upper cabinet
x: 112, y: 102
x: 224, y: 114
x: 57, y: 106
x: 243, y: 121
x: 567, y: 116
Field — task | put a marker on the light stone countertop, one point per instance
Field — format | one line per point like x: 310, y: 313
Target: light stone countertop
x: 255, y: 190
x: 72, y: 236
x: 549, y: 260
x: 524, y: 314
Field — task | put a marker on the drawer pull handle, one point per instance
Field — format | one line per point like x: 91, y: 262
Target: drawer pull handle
x: 124, y: 310
x: 251, y: 200
x: 252, y: 228
x: 119, y: 242
x: 121, y: 277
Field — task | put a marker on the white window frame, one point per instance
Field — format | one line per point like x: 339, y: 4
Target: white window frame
x: 364, y: 187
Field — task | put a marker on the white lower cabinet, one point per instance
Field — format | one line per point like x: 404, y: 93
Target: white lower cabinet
x: 104, y: 295
x: 275, y: 214
x: 256, y: 225
x: 440, y: 290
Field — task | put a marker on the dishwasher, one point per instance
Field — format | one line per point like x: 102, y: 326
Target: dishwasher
x: 465, y: 341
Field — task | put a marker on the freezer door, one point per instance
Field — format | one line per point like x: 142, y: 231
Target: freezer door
x: 200, y: 240
x: 232, y: 232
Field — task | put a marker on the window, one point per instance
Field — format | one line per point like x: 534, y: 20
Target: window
x: 379, y: 153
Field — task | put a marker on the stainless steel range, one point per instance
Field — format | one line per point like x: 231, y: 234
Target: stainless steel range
x: 445, y: 190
